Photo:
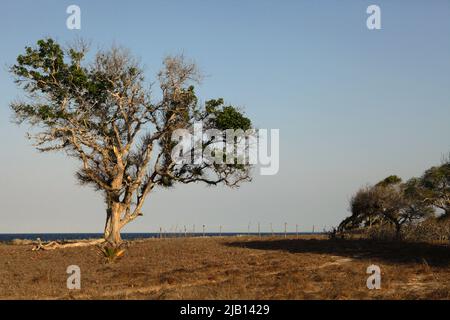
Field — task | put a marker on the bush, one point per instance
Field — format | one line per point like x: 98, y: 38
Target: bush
x: 429, y: 230
x: 381, y: 233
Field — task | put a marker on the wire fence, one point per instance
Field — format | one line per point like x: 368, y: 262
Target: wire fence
x: 190, y: 231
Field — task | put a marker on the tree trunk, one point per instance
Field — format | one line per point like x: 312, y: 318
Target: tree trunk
x: 398, y: 229
x: 107, y: 229
x: 113, y: 225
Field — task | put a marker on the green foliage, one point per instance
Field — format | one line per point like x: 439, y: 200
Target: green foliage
x: 212, y: 105
x: 230, y: 118
x: 437, y: 178
x: 391, y: 180
x: 166, y: 182
x: 111, y: 252
x: 70, y: 88
x: 226, y: 117
x: 46, y: 69
x: 434, y: 187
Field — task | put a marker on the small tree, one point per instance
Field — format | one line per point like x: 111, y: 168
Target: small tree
x: 385, y: 203
x: 101, y: 113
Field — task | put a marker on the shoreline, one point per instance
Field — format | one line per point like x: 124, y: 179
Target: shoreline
x: 71, y: 237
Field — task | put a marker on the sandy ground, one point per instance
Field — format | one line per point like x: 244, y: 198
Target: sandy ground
x: 230, y: 268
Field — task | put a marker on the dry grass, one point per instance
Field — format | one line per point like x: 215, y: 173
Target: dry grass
x: 231, y: 268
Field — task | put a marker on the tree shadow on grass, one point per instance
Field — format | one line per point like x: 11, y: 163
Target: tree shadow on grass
x: 392, y: 252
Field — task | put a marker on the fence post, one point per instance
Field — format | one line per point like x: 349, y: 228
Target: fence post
x: 285, y: 229
x: 203, y: 231
x: 296, y: 230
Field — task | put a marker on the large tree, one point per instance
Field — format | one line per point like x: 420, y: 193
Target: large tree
x: 101, y: 113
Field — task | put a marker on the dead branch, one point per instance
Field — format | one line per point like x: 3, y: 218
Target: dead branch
x: 52, y: 245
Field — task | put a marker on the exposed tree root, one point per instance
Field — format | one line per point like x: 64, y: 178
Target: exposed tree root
x: 52, y: 245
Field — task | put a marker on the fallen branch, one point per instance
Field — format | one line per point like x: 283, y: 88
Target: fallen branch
x: 52, y: 245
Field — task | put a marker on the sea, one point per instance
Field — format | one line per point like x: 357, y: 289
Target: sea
x: 6, y: 237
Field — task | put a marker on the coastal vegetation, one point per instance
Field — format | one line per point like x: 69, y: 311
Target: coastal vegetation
x: 418, y: 209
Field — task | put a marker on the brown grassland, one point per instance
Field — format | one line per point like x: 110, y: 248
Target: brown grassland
x: 231, y: 268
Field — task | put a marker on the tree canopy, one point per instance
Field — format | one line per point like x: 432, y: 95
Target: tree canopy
x: 389, y: 202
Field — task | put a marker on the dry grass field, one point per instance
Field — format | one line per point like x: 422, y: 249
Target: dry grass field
x: 230, y: 268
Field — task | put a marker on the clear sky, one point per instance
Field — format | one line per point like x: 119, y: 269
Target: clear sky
x: 352, y: 105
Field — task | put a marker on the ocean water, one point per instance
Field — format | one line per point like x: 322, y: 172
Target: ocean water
x: 4, y: 237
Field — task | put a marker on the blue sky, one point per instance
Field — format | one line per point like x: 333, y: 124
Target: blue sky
x: 352, y: 105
